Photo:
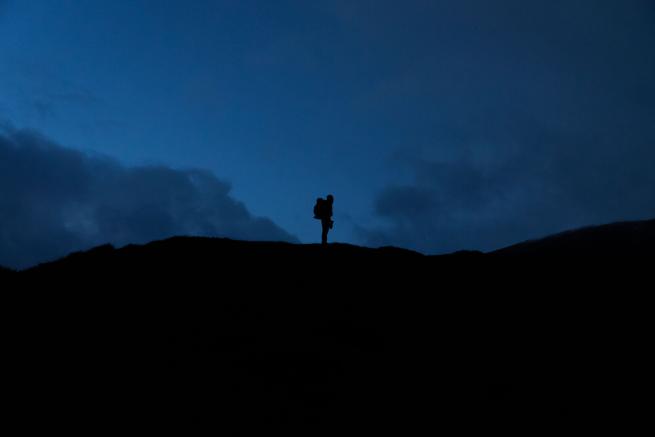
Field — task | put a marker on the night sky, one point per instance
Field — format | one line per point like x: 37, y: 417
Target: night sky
x: 438, y: 125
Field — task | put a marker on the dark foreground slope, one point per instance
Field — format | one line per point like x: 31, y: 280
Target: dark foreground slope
x: 616, y: 240
x: 252, y: 338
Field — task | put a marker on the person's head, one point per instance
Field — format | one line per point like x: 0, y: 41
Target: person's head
x: 330, y: 198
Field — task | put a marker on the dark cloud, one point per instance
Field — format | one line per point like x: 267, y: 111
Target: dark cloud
x: 55, y: 200
x: 536, y: 181
x: 546, y: 121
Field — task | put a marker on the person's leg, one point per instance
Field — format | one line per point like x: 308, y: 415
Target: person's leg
x: 325, y: 224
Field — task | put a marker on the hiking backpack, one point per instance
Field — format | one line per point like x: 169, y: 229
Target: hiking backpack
x: 318, y: 208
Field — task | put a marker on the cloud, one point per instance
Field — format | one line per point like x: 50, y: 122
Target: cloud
x: 55, y: 200
x: 544, y: 121
x: 537, y: 181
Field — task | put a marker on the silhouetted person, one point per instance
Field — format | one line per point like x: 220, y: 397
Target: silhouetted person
x: 323, y: 212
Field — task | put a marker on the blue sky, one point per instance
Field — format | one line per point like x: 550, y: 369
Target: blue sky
x: 437, y: 125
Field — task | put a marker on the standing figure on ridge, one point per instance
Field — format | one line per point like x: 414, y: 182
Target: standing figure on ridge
x: 323, y: 212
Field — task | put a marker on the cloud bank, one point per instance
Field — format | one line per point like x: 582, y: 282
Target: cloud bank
x: 534, y: 182
x: 54, y: 200
x: 545, y: 121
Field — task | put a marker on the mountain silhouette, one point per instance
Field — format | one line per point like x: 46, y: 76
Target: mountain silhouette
x: 631, y: 239
x: 251, y: 337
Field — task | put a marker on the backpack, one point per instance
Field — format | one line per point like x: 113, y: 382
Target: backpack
x: 318, y: 208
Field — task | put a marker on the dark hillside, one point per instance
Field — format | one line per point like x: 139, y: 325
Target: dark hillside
x: 246, y: 337
x: 627, y: 239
